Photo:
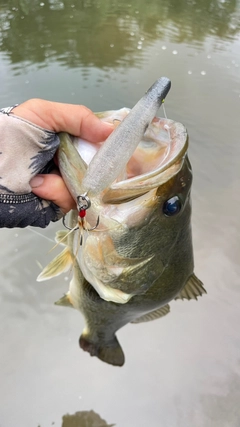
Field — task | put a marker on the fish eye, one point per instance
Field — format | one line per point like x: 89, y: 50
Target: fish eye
x: 172, y: 206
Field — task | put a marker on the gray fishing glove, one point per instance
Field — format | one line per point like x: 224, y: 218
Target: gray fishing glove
x: 25, y: 151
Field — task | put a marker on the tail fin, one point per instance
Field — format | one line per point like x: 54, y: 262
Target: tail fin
x: 110, y: 352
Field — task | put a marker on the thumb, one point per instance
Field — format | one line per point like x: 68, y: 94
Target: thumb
x: 52, y: 187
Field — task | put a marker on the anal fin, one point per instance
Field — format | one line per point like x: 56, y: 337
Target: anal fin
x: 155, y: 314
x: 192, y: 290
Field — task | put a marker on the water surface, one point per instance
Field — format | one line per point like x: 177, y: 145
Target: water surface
x: 183, y: 369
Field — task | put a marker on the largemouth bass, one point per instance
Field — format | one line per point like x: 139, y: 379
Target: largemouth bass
x: 130, y: 244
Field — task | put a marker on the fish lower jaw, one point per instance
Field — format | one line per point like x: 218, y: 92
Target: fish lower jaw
x: 110, y: 294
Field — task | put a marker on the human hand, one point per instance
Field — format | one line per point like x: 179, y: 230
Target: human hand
x: 77, y: 120
x: 48, y: 118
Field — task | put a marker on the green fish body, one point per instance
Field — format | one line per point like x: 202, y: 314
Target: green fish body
x: 140, y: 255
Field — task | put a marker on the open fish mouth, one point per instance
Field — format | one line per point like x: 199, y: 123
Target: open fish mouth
x: 157, y: 150
x: 156, y: 159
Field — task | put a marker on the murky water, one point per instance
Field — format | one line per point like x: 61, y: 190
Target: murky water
x: 182, y: 370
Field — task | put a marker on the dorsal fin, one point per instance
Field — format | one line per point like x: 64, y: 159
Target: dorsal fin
x: 155, y: 314
x: 193, y: 289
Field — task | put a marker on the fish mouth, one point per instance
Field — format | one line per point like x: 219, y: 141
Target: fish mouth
x: 158, y: 157
x: 163, y: 143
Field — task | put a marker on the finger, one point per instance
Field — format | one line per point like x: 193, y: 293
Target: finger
x: 77, y: 120
x: 52, y: 187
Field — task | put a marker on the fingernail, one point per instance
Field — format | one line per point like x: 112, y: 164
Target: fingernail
x: 109, y: 124
x: 36, y: 181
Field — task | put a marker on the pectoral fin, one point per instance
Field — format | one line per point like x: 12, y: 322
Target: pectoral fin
x: 192, y: 290
x: 116, y: 274
x: 58, y: 265
x: 156, y: 314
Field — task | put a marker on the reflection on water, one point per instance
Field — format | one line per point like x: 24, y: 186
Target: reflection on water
x: 84, y: 419
x: 106, y: 33
x: 183, y: 369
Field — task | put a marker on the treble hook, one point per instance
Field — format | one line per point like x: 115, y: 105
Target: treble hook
x: 83, y: 203
x: 66, y: 226
x: 93, y: 228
